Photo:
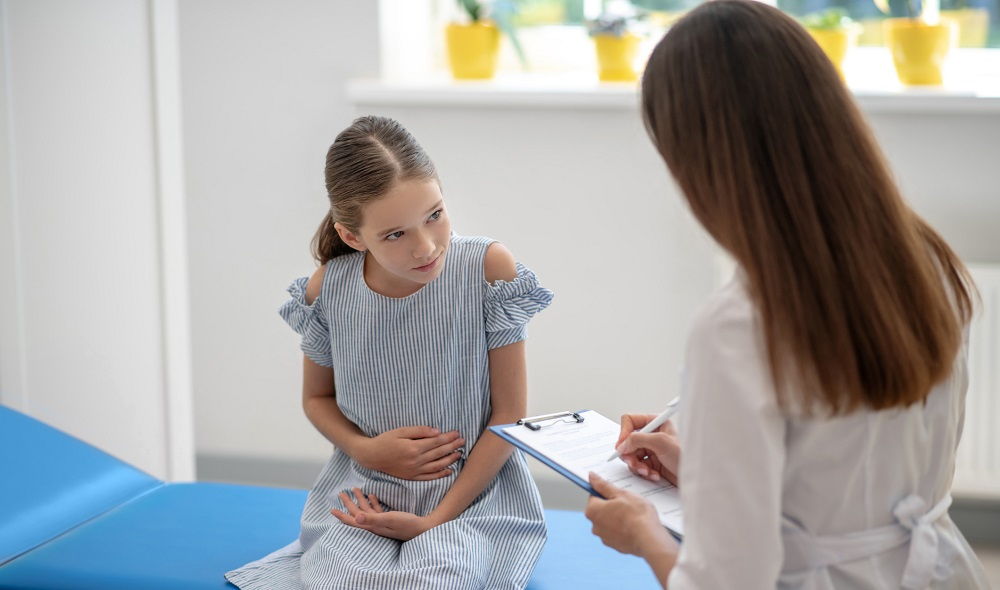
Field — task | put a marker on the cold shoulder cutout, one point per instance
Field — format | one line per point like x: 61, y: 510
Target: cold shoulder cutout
x: 309, y: 321
x: 509, y: 305
x: 499, y: 264
x: 315, y: 285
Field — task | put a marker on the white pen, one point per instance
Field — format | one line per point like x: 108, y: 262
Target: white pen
x: 665, y: 415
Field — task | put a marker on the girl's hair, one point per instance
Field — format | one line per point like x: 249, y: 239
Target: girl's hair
x: 777, y: 163
x: 365, y: 161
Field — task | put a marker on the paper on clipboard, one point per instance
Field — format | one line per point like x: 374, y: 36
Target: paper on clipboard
x: 574, y: 449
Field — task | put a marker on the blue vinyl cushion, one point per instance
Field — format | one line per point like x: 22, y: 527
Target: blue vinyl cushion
x: 185, y: 536
x: 180, y: 536
x: 51, y: 482
x: 574, y: 559
x: 74, y: 518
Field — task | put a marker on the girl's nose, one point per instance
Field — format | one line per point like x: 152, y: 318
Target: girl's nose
x: 423, y: 247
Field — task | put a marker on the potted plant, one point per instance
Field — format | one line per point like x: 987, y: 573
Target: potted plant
x: 918, y: 40
x: 473, y: 45
x: 615, y: 43
x: 835, y: 33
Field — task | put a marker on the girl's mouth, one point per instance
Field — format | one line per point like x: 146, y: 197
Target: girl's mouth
x: 429, y: 266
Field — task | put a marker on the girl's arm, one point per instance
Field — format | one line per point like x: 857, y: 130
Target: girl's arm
x: 411, y: 452
x: 508, y: 397
x: 508, y: 402
x: 508, y: 382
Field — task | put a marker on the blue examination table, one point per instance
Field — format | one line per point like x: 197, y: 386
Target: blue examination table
x: 75, y: 518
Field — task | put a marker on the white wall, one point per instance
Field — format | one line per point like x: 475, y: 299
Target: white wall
x: 264, y: 95
x: 577, y: 193
x: 11, y: 390
x: 82, y: 322
x: 581, y: 196
x: 948, y: 166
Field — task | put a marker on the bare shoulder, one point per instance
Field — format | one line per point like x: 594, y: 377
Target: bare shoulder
x: 499, y: 264
x: 315, y: 284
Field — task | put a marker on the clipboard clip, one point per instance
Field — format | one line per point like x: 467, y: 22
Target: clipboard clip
x: 532, y: 423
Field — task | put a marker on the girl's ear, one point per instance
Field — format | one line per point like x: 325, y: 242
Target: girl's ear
x: 349, y: 237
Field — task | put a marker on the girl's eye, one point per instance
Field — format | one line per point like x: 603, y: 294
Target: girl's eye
x: 394, y: 236
x: 436, y: 215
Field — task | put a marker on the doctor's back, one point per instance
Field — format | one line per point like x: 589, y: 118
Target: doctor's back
x: 776, y: 497
x: 824, y: 387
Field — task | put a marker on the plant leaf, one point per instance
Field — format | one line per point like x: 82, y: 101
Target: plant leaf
x: 473, y: 8
x: 503, y: 13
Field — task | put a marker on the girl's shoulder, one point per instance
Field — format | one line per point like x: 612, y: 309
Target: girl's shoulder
x: 470, y: 245
x: 469, y: 253
x: 335, y: 273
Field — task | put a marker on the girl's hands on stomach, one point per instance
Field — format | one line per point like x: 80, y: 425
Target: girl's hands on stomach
x: 419, y: 453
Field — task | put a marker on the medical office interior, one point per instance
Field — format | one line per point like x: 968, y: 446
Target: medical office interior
x: 161, y: 176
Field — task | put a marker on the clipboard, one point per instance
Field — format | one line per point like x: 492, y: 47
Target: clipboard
x: 536, y: 423
x: 572, y: 443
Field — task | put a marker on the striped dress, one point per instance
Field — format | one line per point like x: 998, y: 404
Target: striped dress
x: 416, y: 360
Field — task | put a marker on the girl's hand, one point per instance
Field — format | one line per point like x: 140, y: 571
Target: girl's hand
x: 654, y: 455
x: 365, y: 512
x: 627, y: 522
x: 412, y: 452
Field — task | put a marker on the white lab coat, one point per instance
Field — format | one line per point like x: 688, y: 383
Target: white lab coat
x: 748, y: 470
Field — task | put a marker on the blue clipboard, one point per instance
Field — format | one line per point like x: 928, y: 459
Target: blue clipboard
x: 534, y: 423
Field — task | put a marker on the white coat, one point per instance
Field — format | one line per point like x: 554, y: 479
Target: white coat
x: 776, y: 501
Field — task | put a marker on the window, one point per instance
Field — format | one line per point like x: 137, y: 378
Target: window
x: 554, y: 38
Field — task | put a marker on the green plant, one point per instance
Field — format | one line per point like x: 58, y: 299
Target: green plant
x: 831, y: 19
x: 502, y: 13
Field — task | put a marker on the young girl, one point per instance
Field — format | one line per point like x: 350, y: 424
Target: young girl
x: 413, y: 341
x: 825, y: 385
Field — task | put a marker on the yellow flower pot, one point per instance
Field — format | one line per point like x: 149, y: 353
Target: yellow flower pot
x: 835, y: 43
x: 473, y: 50
x: 615, y: 56
x: 918, y: 49
x: 973, y: 25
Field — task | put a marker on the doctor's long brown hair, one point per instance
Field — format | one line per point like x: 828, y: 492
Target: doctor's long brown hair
x: 777, y: 163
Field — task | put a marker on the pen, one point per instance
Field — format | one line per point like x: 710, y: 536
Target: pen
x: 665, y: 415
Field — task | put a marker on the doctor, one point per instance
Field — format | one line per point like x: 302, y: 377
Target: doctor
x: 825, y: 384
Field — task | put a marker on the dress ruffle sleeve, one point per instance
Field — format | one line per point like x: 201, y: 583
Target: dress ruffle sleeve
x: 309, y: 321
x: 510, y: 305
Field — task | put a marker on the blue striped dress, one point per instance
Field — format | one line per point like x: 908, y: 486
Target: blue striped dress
x: 416, y: 360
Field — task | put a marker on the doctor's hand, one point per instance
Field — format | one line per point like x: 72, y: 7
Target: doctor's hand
x: 412, y: 452
x: 653, y: 455
x: 365, y: 512
x: 628, y: 523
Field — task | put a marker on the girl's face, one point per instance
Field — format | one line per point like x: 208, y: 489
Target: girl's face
x: 406, y: 233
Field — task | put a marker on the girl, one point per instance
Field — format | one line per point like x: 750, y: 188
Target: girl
x: 825, y: 385
x: 414, y: 343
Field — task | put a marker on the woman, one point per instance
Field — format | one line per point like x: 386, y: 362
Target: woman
x: 825, y: 385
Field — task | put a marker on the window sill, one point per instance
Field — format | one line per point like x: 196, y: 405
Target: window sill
x: 521, y: 91
x: 973, y: 87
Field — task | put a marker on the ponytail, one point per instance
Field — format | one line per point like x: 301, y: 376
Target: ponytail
x: 326, y: 244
